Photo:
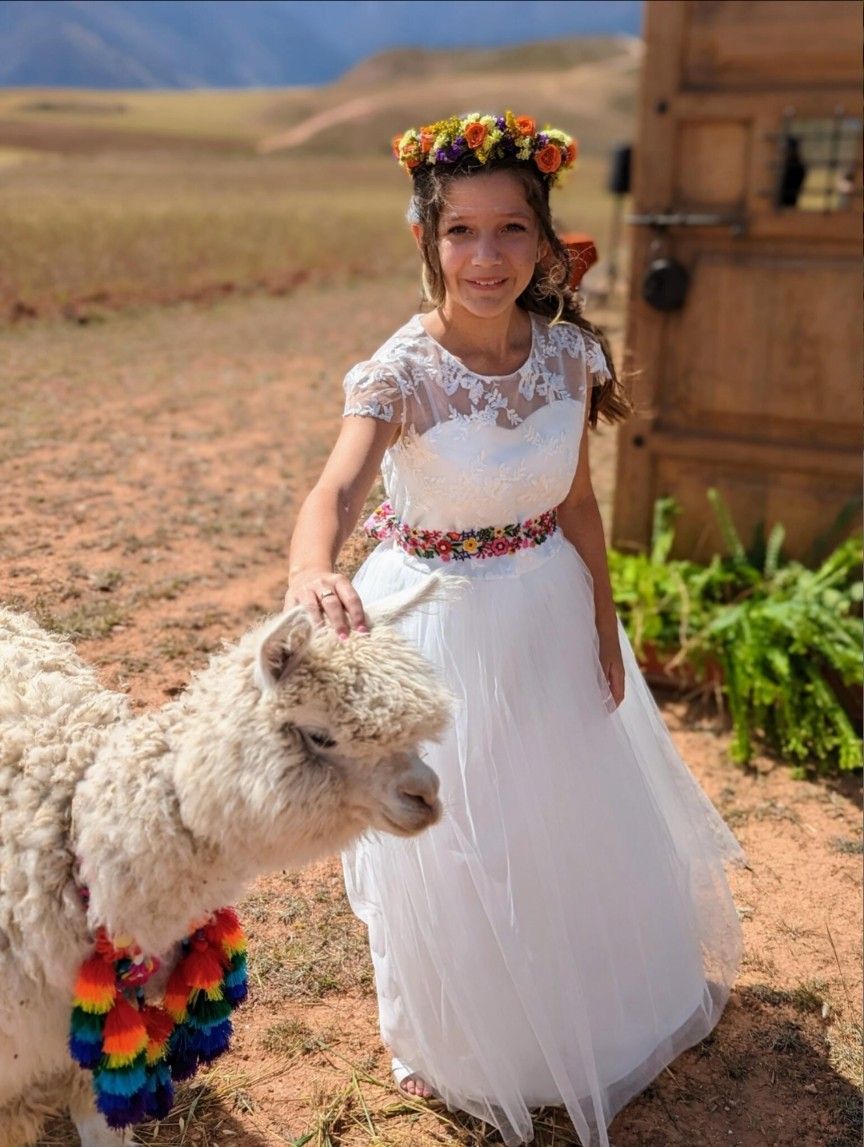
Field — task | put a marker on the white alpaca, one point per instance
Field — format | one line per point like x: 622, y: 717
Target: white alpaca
x: 285, y: 748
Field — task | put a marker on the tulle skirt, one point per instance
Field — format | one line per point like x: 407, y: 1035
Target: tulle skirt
x: 567, y: 929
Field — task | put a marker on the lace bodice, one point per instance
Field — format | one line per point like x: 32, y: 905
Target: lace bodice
x: 478, y: 450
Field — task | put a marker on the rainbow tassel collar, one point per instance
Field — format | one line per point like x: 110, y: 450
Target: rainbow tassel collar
x: 136, y: 1051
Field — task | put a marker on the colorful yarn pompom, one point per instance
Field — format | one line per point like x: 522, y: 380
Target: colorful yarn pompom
x: 159, y: 1027
x: 136, y: 1051
x: 85, y: 1038
x: 236, y: 985
x: 125, y: 1035
x: 96, y: 986
x: 202, y: 968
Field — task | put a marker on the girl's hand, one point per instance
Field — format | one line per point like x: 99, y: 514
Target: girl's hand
x: 331, y: 599
x: 613, y: 665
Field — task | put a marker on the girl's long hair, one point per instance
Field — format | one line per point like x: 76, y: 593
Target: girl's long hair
x: 548, y: 293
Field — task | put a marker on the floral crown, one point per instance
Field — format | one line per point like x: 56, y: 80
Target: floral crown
x: 486, y: 137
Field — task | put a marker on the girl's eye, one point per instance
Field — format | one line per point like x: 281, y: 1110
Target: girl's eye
x: 515, y: 227
x: 457, y: 229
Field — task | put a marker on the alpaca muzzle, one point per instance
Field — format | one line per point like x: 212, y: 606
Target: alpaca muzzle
x: 414, y: 803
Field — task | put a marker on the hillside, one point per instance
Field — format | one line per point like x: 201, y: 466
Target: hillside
x: 588, y: 85
x: 532, y: 56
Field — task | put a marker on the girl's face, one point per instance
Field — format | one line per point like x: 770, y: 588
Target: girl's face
x: 488, y: 244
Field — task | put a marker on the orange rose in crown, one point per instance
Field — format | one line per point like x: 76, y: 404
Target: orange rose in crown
x: 525, y: 125
x: 475, y: 133
x: 548, y: 159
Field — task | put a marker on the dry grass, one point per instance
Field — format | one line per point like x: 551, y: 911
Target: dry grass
x: 160, y: 228
x: 86, y: 235
x: 320, y: 948
x: 204, y: 116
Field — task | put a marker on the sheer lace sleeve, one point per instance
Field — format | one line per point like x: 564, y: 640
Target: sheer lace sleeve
x: 595, y: 362
x: 582, y: 357
x: 373, y: 389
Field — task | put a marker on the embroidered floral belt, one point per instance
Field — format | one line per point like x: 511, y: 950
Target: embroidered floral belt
x: 486, y: 542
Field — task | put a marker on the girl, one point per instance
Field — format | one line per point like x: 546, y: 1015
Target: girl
x: 567, y: 929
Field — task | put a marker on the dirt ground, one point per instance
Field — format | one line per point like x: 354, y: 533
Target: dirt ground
x: 151, y: 466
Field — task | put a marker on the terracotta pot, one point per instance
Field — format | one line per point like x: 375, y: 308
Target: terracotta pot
x: 657, y: 668
x: 583, y: 254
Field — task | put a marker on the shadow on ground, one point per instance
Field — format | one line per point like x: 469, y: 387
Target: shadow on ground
x: 203, y: 1116
x: 764, y: 1077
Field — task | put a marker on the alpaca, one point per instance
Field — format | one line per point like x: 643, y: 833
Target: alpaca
x: 285, y: 748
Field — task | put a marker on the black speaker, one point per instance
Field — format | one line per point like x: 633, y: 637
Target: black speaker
x: 665, y: 284
x: 619, y: 169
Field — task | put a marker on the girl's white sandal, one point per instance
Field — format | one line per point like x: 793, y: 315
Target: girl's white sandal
x: 401, y: 1071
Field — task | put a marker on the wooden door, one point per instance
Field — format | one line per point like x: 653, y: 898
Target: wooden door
x: 753, y: 386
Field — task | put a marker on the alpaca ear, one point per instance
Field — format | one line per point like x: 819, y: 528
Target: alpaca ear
x: 436, y: 587
x: 282, y: 647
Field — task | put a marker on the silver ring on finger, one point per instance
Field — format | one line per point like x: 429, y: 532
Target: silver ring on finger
x: 327, y: 593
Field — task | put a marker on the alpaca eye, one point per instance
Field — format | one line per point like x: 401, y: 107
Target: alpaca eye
x: 315, y: 740
x: 319, y: 739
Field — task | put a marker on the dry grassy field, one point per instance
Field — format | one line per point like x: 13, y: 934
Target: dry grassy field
x: 122, y: 198
x: 179, y: 319
x: 86, y: 234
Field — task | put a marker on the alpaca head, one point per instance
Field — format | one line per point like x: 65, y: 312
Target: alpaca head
x: 315, y: 740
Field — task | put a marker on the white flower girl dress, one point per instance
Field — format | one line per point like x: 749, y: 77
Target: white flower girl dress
x: 566, y: 930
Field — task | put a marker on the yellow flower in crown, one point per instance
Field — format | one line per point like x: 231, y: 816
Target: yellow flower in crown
x: 483, y: 138
x: 470, y: 545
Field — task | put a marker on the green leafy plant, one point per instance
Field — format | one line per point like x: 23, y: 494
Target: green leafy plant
x: 787, y: 639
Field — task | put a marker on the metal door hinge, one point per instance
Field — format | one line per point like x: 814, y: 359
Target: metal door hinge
x: 663, y: 219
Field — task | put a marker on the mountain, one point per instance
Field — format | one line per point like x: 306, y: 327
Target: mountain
x: 147, y: 44
x: 264, y: 43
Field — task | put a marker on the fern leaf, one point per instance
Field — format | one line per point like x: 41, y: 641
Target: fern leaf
x: 727, y: 529
x: 772, y: 550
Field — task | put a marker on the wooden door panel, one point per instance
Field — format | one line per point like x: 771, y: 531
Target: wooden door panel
x: 763, y: 43
x: 713, y: 163
x: 755, y: 498
x: 754, y: 385
x: 768, y: 348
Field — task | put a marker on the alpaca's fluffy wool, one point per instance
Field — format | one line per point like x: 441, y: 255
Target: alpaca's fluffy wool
x: 169, y: 814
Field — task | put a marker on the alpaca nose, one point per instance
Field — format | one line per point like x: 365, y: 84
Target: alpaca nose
x: 420, y: 783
